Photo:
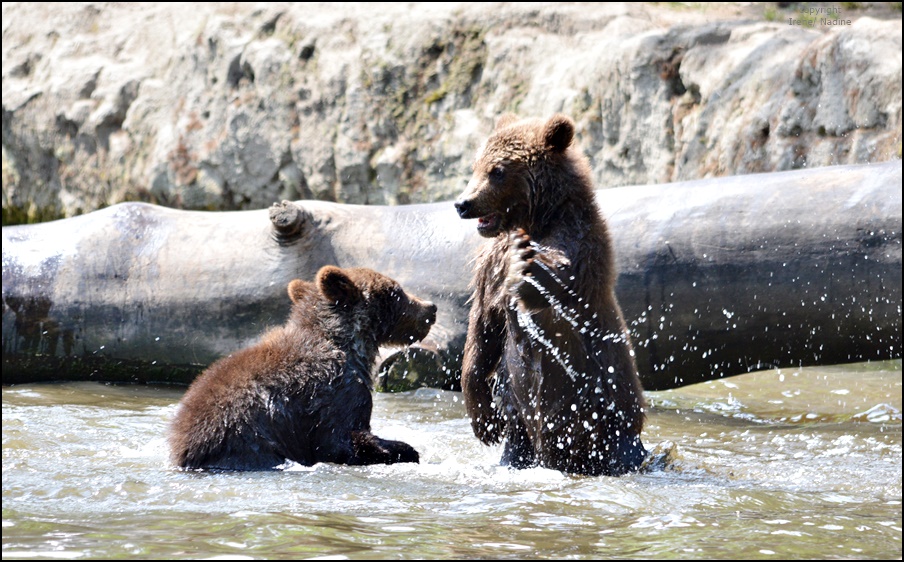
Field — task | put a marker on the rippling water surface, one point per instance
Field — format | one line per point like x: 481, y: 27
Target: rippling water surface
x: 777, y: 464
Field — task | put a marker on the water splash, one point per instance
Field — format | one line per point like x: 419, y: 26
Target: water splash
x: 588, y: 326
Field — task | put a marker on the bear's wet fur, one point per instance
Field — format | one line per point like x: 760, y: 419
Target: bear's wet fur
x: 548, y: 362
x: 304, y: 393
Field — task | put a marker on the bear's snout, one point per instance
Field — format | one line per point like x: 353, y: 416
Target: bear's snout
x: 423, y: 320
x: 430, y: 310
x: 426, y: 313
x: 464, y: 208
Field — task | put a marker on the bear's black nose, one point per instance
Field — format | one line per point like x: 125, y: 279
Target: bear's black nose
x: 463, y: 208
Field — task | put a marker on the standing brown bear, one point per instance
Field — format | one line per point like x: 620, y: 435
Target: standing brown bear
x: 304, y: 392
x: 548, y: 363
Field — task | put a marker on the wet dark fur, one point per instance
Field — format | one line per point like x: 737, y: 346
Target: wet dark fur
x: 515, y: 387
x: 304, y: 392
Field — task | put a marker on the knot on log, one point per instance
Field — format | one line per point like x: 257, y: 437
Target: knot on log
x: 288, y: 222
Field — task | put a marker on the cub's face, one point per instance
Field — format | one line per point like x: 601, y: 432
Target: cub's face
x: 504, y: 179
x: 378, y: 304
x: 497, y: 194
x: 408, y: 319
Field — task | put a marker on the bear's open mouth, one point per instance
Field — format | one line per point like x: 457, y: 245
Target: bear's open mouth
x: 488, y: 223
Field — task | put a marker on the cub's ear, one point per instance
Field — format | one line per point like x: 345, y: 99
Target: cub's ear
x: 558, y: 132
x: 505, y: 120
x: 299, y: 289
x: 337, y: 286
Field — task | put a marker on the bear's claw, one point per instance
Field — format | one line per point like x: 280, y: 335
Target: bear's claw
x: 522, y: 252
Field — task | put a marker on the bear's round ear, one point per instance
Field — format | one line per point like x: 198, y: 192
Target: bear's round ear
x: 337, y: 286
x: 558, y: 132
x: 505, y: 120
x: 299, y: 289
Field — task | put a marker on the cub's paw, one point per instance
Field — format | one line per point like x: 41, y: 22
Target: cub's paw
x: 536, y: 274
x: 401, y: 452
x: 370, y: 449
x: 521, y: 254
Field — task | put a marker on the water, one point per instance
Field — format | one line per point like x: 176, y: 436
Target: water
x: 777, y: 465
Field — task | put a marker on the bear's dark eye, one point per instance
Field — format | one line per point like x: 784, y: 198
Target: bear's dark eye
x: 497, y: 173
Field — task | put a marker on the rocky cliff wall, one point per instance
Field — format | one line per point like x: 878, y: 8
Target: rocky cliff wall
x: 236, y: 105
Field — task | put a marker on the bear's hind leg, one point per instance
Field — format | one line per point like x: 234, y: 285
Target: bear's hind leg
x: 629, y: 456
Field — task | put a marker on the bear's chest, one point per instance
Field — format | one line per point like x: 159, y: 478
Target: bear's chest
x: 543, y: 355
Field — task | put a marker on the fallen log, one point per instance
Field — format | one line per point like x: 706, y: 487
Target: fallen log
x: 717, y: 277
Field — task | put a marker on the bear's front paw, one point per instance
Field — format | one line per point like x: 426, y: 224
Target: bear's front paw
x: 520, y: 257
x: 488, y: 427
x: 524, y: 278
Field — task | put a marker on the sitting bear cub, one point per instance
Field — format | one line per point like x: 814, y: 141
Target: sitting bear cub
x: 303, y: 393
x: 548, y: 363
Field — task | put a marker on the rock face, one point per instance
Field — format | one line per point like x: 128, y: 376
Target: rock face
x: 235, y: 106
